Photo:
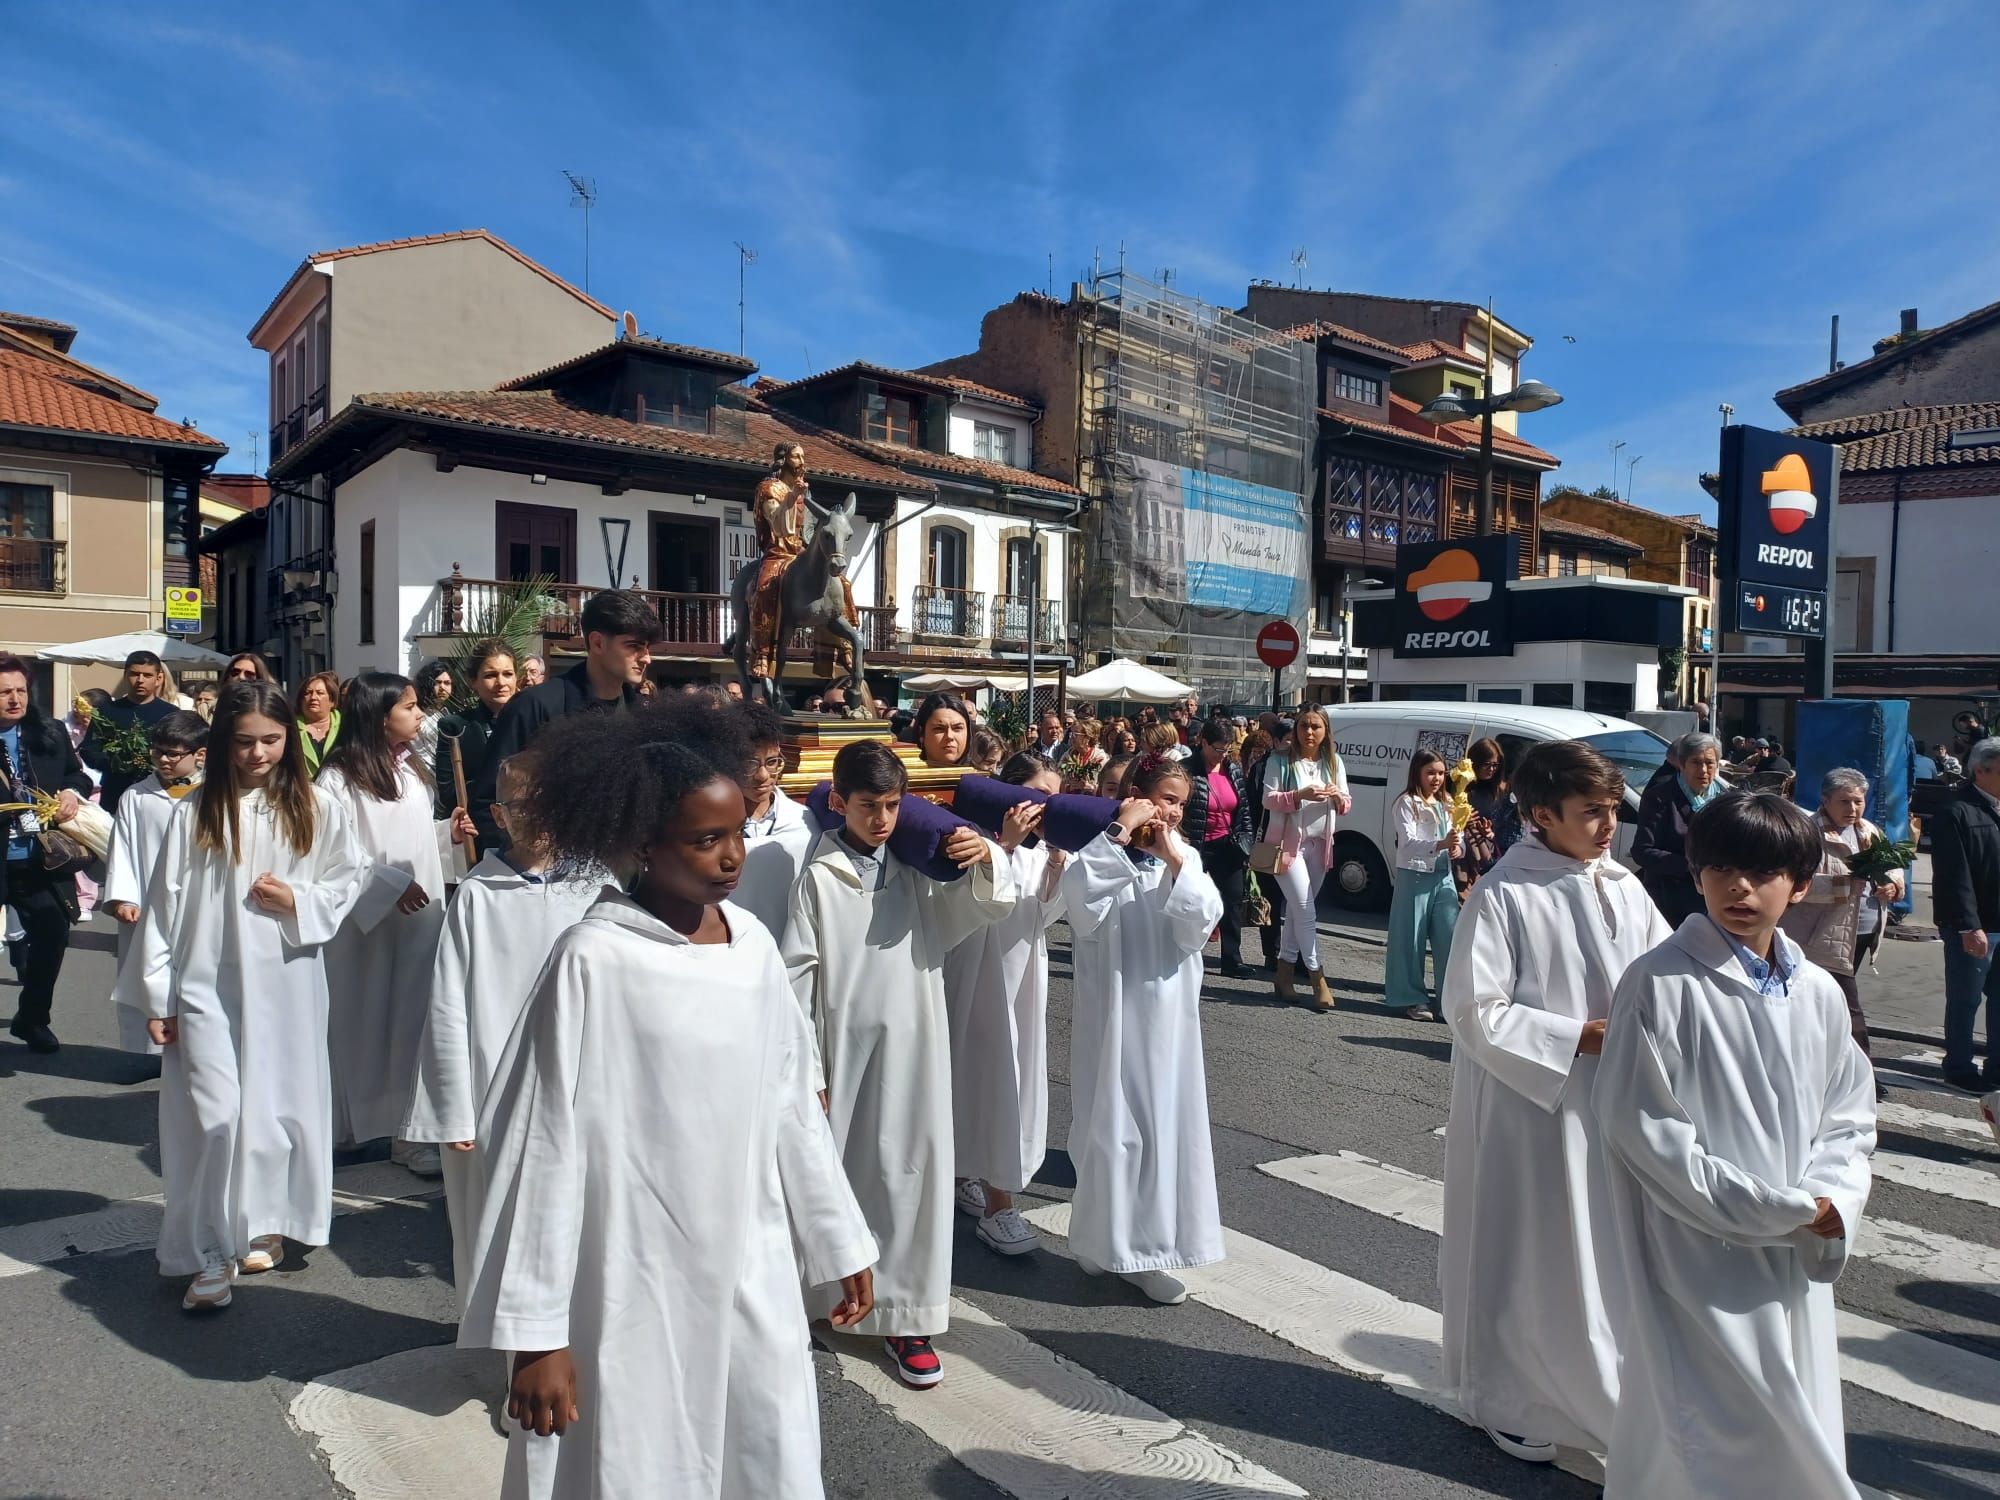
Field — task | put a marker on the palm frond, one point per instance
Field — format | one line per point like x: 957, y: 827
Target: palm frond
x: 515, y: 617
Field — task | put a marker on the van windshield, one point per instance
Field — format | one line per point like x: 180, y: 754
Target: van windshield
x: 1636, y: 752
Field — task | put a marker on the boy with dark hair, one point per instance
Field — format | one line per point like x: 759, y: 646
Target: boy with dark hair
x: 1531, y: 1293
x: 139, y: 704
x: 179, y: 745
x: 1737, y: 1116
x: 865, y: 946
x: 776, y: 833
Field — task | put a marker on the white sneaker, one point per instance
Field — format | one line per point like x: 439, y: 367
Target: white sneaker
x: 1162, y: 1288
x: 422, y: 1158
x: 1007, y: 1233
x: 1989, y: 1109
x: 212, y: 1288
x: 1526, y: 1449
x: 971, y: 1198
x: 266, y: 1252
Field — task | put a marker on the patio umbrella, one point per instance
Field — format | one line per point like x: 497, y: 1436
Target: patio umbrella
x: 1125, y: 680
x: 111, y: 650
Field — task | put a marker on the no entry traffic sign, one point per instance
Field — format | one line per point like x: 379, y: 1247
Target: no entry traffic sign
x: 1278, y: 645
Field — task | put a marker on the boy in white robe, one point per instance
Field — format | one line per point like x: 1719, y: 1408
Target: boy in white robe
x: 501, y: 926
x: 1141, y: 907
x: 138, y: 832
x: 661, y: 1171
x: 777, y: 834
x: 865, y: 947
x: 1529, y: 1322
x: 1737, y: 1116
x: 996, y: 989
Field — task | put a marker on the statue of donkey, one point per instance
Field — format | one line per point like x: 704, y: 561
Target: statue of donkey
x: 810, y: 595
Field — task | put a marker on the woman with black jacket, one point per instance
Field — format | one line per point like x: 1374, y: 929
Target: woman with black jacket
x: 1670, y: 801
x: 493, y: 679
x: 1216, y: 821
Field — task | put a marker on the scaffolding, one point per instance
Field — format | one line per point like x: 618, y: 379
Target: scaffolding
x: 1200, y: 430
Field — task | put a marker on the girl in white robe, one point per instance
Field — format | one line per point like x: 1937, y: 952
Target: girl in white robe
x: 1140, y: 908
x: 138, y: 833
x: 996, y: 989
x: 1738, y: 1116
x: 778, y: 834
x: 256, y: 875
x: 662, y: 1173
x: 865, y: 949
x: 1530, y: 1327
x: 379, y: 966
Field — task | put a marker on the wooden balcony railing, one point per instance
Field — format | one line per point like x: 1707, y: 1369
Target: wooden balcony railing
x: 692, y: 624
x: 1010, y: 619
x: 34, y: 565
x: 959, y: 613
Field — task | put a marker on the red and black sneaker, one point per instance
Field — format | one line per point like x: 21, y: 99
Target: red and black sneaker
x: 916, y: 1362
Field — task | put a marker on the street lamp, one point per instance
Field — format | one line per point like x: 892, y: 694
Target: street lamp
x: 1529, y: 395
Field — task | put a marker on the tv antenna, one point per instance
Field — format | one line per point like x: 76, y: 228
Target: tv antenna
x: 253, y: 450
x: 582, y: 194
x: 745, y: 258
x: 1299, y: 267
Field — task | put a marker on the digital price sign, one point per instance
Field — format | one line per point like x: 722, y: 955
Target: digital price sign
x: 1765, y: 609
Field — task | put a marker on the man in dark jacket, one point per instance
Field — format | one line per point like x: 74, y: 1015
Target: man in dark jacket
x: 619, y: 631
x: 35, y: 753
x: 1965, y: 900
x: 139, y: 704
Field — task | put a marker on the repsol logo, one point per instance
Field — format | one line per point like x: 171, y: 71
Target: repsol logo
x: 1784, y: 557
x: 1446, y: 640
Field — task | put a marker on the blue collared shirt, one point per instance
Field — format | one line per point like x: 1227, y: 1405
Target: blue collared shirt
x: 19, y: 845
x: 1773, y: 977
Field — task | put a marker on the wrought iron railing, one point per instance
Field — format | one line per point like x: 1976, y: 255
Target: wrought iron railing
x: 1010, y: 619
x: 959, y: 613
x: 34, y: 565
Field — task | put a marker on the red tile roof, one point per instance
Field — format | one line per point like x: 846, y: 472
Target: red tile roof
x: 544, y: 414
x: 62, y: 335
x: 426, y: 239
x: 923, y: 460
x: 246, y: 492
x: 642, y: 343
x: 1428, y: 349
x: 1466, y: 434
x: 1790, y: 399
x: 1908, y: 437
x: 1313, y: 332
x: 1394, y: 430
x: 1552, y: 525
x: 973, y: 390
x: 38, y: 391
x: 944, y: 385
x: 73, y: 368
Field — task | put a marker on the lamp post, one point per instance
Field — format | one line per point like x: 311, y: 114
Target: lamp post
x: 1529, y: 395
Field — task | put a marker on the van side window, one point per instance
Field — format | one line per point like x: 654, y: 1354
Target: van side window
x: 1513, y: 747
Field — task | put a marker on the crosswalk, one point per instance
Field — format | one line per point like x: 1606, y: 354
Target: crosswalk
x: 1037, y: 1423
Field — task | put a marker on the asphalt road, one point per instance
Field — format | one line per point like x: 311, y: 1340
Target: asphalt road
x: 1300, y: 1368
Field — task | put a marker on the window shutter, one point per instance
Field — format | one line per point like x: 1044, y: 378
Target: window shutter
x: 936, y: 432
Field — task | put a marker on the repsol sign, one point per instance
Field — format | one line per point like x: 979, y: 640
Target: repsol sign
x: 1452, y: 597
x: 1785, y: 557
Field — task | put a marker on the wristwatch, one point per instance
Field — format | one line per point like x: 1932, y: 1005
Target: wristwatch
x: 1118, y: 833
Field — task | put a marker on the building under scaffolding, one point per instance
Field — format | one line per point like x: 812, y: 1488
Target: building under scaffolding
x: 1200, y: 426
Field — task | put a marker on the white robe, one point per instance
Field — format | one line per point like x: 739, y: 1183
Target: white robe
x: 379, y: 966
x: 498, y: 933
x: 996, y: 989
x: 1724, y: 1114
x: 868, y: 967
x: 772, y: 862
x: 1138, y: 1135
x: 138, y: 832
x: 1530, y: 1323
x: 246, y: 1125
x: 661, y: 1175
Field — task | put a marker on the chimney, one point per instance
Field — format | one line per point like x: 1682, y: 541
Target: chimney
x: 1909, y: 322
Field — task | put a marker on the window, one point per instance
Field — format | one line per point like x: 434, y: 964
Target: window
x: 947, y: 558
x: 1555, y: 695
x: 1701, y: 562
x: 29, y: 557
x: 1566, y: 563
x: 892, y: 419
x: 1020, y: 572
x: 1464, y: 388
x: 671, y: 396
x: 27, y: 511
x: 1611, y: 698
x: 994, y: 442
x: 1358, y: 389
x: 180, y: 527
x: 1499, y: 695
x: 367, y: 583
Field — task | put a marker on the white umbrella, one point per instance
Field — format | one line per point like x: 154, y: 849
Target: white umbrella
x: 111, y: 650
x: 1126, y: 680
x: 962, y: 682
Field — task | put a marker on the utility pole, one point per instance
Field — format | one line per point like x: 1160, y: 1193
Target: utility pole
x: 1615, y: 449
x: 582, y: 194
x: 745, y: 256
x: 1630, y: 464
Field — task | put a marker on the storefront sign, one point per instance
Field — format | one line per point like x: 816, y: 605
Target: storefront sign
x: 1451, y: 597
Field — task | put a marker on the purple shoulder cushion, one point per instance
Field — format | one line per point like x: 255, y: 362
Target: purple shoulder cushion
x: 921, y: 829
x: 1069, y: 821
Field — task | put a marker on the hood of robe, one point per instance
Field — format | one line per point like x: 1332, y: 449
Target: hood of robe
x: 616, y: 909
x: 832, y: 853
x: 1530, y: 856
x: 1700, y: 939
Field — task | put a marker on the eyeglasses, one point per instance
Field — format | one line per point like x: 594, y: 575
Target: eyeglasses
x: 771, y: 763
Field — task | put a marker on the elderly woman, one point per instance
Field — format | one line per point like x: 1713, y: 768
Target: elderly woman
x: 1839, y: 922
x: 1659, y: 844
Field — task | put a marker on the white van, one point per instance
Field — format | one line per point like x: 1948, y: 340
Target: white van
x: 1376, y: 741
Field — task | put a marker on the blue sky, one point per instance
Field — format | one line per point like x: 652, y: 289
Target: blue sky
x: 1686, y: 191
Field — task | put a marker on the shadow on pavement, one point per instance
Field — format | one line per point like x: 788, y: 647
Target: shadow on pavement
x: 82, y: 1063
x: 1437, y: 1047
x: 120, y: 1119
x: 32, y: 1205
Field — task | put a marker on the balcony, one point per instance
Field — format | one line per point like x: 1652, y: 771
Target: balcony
x: 33, y: 565
x: 693, y: 625
x: 305, y: 417
x: 959, y: 614
x: 1010, y: 620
